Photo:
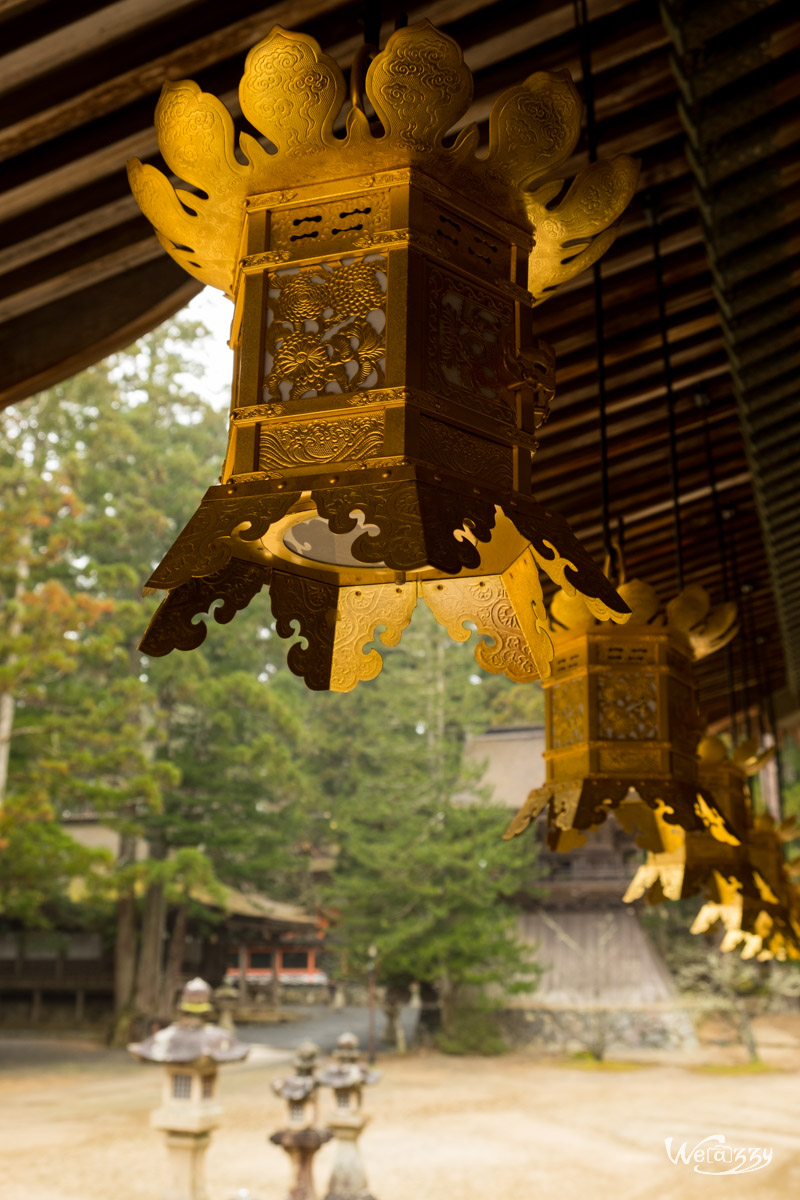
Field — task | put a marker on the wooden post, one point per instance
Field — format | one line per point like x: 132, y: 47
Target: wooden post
x: 275, y: 987
x: 243, y: 993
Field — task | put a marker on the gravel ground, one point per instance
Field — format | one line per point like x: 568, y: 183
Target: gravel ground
x: 74, y: 1125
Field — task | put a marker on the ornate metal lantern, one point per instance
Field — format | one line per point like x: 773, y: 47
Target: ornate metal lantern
x: 621, y: 718
x: 387, y: 385
x: 746, y: 882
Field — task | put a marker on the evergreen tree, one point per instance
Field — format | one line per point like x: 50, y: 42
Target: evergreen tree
x: 220, y: 761
x: 191, y: 751
x: 47, y: 624
x: 420, y: 873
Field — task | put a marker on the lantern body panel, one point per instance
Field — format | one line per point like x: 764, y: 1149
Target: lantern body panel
x: 390, y: 349
x: 621, y: 708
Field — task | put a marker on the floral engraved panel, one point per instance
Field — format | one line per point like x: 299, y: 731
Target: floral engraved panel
x: 631, y: 760
x: 314, y: 443
x: 627, y: 707
x: 568, y: 713
x: 468, y: 331
x: 326, y: 329
x: 465, y: 453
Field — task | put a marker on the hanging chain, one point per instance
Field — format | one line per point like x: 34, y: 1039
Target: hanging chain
x: 370, y: 20
x: 655, y: 226
x: 609, y: 549
x: 702, y: 402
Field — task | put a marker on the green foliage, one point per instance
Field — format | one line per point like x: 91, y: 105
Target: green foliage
x: 516, y: 704
x: 191, y: 756
x: 220, y: 762
x: 473, y: 1029
x: 423, y: 878
x: 38, y: 862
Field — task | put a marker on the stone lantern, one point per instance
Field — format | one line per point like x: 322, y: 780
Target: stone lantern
x: 348, y: 1077
x: 191, y: 1049
x: 226, y: 999
x: 301, y: 1139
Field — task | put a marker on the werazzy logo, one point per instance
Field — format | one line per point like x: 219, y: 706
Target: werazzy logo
x: 713, y: 1156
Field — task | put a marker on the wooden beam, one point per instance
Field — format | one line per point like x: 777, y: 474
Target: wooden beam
x: 76, y: 173
x: 77, y: 38
x: 147, y: 78
x: 57, y: 237
x: 78, y: 278
x: 73, y: 333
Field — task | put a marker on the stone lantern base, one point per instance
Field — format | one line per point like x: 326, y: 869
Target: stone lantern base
x: 187, y: 1154
x: 301, y: 1145
x: 348, y: 1179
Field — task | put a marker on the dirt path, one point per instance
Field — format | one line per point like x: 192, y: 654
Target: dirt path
x: 513, y: 1128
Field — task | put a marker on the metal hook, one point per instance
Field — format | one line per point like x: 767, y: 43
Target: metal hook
x: 358, y: 73
x: 615, y: 557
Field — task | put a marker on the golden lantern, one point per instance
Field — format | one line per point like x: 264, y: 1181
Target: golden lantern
x: 746, y: 881
x: 621, y: 718
x: 387, y: 385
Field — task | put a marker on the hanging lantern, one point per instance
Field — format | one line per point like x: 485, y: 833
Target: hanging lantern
x: 621, y: 719
x: 388, y: 388
x: 746, y: 883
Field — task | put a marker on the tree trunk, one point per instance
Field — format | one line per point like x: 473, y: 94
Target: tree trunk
x: 150, y: 973
x: 125, y: 946
x: 7, y: 703
x: 244, y: 991
x: 393, y: 1011
x: 172, y: 971
x: 125, y: 953
x: 446, y: 996
x: 6, y: 728
x: 745, y: 1029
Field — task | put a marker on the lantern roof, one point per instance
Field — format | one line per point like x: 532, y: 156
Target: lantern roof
x: 188, y: 1041
x: 419, y: 87
x: 746, y: 882
x: 346, y: 1072
x: 300, y: 1087
x: 191, y: 1039
x: 705, y: 628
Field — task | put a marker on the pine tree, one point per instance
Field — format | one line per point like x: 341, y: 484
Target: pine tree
x: 420, y: 873
x: 179, y: 753
x: 220, y: 761
x: 46, y: 625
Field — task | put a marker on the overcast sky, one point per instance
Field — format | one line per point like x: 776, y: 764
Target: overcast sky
x: 215, y: 311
